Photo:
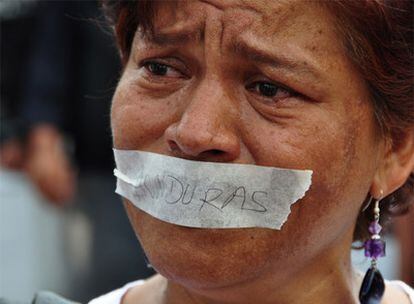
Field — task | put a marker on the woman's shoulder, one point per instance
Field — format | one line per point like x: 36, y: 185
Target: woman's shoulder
x: 398, y: 290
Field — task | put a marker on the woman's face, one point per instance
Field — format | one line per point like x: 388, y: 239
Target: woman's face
x: 255, y: 82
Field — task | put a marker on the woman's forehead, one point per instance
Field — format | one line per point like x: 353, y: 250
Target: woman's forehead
x: 305, y: 23
x: 265, y: 19
x: 270, y: 14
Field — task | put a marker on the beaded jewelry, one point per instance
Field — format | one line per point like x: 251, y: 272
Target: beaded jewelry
x: 373, y: 287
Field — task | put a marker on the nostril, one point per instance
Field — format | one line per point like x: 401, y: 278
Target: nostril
x: 177, y: 150
x: 216, y: 152
x: 212, y: 154
x: 173, y: 145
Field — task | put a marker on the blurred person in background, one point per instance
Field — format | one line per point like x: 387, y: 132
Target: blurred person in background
x: 57, y: 82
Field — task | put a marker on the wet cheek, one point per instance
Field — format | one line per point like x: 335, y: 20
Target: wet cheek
x: 136, y: 120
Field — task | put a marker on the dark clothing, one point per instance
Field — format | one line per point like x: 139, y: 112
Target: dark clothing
x: 71, y: 76
x: 16, y: 32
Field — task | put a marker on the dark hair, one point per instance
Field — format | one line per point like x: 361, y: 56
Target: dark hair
x: 377, y: 36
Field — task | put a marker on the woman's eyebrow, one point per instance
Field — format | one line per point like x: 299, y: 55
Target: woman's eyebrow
x: 262, y: 56
x: 173, y: 38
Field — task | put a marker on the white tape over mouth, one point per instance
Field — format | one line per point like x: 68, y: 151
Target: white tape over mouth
x: 207, y: 194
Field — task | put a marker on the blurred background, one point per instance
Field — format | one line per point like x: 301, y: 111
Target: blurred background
x: 62, y: 228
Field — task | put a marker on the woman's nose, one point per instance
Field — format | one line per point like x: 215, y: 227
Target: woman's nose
x: 207, y: 127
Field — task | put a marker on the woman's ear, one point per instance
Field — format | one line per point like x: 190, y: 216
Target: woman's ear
x: 396, y: 165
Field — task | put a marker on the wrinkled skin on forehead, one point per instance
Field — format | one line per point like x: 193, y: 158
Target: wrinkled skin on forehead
x: 208, y: 108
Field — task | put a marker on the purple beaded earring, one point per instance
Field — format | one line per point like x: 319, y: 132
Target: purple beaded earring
x: 372, y: 288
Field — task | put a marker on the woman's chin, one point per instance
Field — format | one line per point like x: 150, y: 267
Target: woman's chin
x: 202, y: 258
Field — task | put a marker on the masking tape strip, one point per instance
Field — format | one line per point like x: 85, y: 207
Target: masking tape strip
x: 206, y: 194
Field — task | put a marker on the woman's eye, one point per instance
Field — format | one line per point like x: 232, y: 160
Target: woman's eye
x: 157, y: 68
x: 269, y: 90
x: 161, y: 69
